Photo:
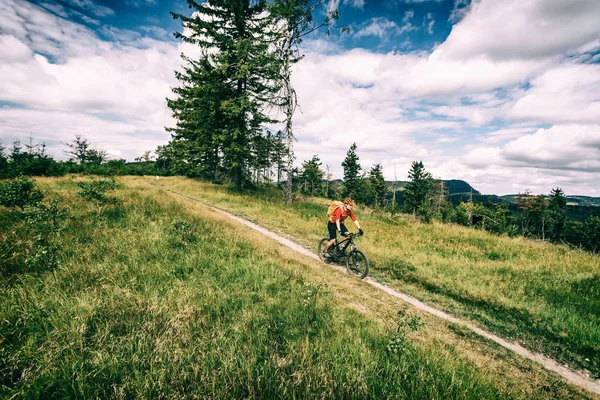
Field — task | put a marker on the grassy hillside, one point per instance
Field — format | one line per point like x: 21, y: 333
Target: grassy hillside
x: 156, y: 297
x: 541, y: 295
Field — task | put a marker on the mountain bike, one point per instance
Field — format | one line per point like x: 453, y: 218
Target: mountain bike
x: 357, y: 263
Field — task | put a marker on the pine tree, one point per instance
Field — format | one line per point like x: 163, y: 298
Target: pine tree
x: 418, y: 189
x: 279, y: 155
x: 378, y: 186
x: 220, y: 107
x: 557, y: 208
x: 352, y: 169
x: 312, y: 175
x: 3, y: 162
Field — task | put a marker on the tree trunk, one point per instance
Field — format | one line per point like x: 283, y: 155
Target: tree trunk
x: 289, y: 112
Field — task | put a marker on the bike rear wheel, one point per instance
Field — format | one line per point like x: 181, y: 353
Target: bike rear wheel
x: 322, y: 246
x: 357, y: 264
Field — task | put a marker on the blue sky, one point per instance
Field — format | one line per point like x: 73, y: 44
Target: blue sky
x: 503, y: 94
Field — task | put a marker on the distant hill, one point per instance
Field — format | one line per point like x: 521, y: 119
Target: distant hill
x: 583, y: 201
x: 453, y: 186
x: 461, y: 191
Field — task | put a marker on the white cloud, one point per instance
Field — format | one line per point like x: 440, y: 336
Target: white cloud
x: 384, y: 28
x: 567, y: 147
x: 518, y: 29
x: 505, y: 134
x: 428, y: 23
x: 566, y: 93
x: 91, y: 6
x: 355, y: 3
x: 57, y: 127
x: 474, y: 114
x: 13, y: 50
x: 460, y: 9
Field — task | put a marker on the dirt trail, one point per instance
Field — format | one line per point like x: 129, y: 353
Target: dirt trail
x: 575, y: 377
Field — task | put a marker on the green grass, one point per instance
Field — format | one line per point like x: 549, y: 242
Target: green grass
x: 542, y: 295
x: 152, y: 301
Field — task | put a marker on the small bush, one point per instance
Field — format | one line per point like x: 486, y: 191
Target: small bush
x: 19, y: 192
x: 97, y: 191
x: 398, y: 342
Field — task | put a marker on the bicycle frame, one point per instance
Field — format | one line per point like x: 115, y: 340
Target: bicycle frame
x: 342, y: 246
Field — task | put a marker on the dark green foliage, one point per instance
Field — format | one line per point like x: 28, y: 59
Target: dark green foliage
x: 418, y: 191
x: 33, y: 241
x: 312, y: 176
x: 378, y: 185
x: 352, y: 169
x: 19, y: 192
x: 220, y: 106
x: 47, y: 218
x: 32, y: 162
x: 585, y: 235
x: 3, y: 160
x: 82, y: 152
x: 97, y: 191
x: 557, y: 213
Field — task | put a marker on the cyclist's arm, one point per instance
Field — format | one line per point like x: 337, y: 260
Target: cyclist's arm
x: 337, y: 223
x: 354, y: 219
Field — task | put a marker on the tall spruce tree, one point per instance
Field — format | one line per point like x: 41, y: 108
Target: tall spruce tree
x: 312, y: 175
x: 3, y: 162
x: 557, y: 207
x: 352, y: 169
x: 418, y: 189
x: 220, y: 107
x: 377, y: 182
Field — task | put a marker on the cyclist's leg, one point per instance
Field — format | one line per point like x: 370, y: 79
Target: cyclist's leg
x: 344, y: 229
x: 332, y: 235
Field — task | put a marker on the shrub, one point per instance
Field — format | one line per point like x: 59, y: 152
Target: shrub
x: 97, y: 191
x: 19, y: 192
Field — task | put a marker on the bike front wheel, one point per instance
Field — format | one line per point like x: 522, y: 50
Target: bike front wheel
x: 322, y: 246
x: 357, y: 264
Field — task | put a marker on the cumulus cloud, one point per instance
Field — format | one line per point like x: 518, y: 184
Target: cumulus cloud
x: 384, y: 28
x: 517, y: 29
x: 355, y: 3
x: 91, y: 6
x: 428, y: 23
x: 57, y: 127
x: 568, y: 147
x: 567, y: 93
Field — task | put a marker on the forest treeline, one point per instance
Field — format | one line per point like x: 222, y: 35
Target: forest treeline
x: 545, y: 217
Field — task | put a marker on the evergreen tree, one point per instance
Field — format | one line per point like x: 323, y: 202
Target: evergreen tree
x: 312, y: 175
x: 377, y: 182
x: 557, y: 207
x: 279, y: 155
x: 418, y: 190
x: 3, y: 162
x: 220, y: 105
x: 81, y: 151
x: 534, y: 214
x: 352, y: 169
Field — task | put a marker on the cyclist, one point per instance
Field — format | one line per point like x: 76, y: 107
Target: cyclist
x: 336, y: 222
